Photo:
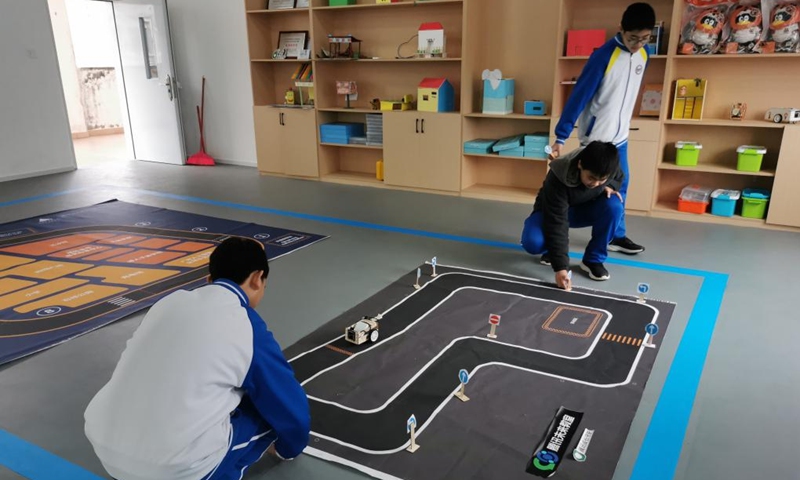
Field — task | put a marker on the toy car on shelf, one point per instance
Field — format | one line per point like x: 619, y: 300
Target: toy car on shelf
x: 783, y: 115
x: 363, y: 330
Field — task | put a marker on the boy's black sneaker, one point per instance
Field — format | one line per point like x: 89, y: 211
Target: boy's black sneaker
x: 596, y: 271
x: 625, y: 245
x: 545, y: 259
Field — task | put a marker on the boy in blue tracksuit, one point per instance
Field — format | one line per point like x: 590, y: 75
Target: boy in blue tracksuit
x: 202, y: 389
x: 604, y: 97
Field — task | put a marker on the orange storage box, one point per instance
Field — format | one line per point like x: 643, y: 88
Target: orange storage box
x: 694, y: 199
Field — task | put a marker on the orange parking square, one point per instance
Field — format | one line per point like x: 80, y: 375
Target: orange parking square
x: 79, y: 252
x: 190, y: 246
x: 155, y: 243
x: 122, y: 239
x: 108, y: 254
x: 39, y: 291
x: 51, y: 245
x: 147, y: 257
x: 46, y: 270
x: 129, y: 276
x: 8, y: 285
x: 192, y: 261
x: 8, y: 261
x: 74, y: 298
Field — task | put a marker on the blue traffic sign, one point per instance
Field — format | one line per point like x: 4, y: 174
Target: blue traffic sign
x: 412, y: 420
x: 643, y: 288
x: 651, y: 328
x: 463, y: 376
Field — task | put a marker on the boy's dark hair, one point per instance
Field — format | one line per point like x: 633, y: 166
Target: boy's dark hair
x: 236, y: 258
x: 600, y: 158
x: 638, y: 16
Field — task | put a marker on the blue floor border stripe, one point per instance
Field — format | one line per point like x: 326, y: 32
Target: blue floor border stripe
x: 36, y: 463
x: 661, y: 448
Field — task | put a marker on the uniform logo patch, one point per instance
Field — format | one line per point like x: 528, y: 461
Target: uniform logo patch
x: 639, y: 69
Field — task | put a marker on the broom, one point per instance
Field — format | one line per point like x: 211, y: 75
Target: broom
x: 201, y: 157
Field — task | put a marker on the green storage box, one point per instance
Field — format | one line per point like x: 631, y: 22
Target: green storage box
x: 687, y: 153
x: 341, y: 3
x: 754, y: 203
x: 750, y: 157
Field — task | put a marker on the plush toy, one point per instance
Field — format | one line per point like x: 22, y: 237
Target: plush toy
x: 707, y: 29
x: 784, y: 29
x: 746, y: 28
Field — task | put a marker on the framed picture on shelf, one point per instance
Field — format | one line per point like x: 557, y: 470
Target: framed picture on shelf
x: 651, y: 101
x: 738, y: 111
x: 292, y: 42
x: 689, y: 99
x: 281, y: 4
x: 301, y: 4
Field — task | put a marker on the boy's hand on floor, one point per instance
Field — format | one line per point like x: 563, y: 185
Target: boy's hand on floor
x: 564, y: 280
x: 610, y: 191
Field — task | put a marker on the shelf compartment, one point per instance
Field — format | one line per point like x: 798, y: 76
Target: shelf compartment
x: 391, y: 80
x: 270, y: 81
x: 352, y: 145
x: 263, y: 31
x: 387, y: 60
x: 671, y: 182
x: 586, y: 57
x: 509, y: 157
x: 722, y: 122
x: 284, y: 11
x: 352, y: 166
x: 739, y: 57
x: 505, y: 179
x: 382, y: 29
x: 373, y: 5
x: 512, y: 116
x: 669, y: 210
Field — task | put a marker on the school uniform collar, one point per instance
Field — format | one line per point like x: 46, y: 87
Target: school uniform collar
x: 234, y: 288
x: 620, y: 43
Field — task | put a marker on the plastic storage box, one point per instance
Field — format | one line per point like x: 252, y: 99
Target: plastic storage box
x: 687, y: 153
x: 754, y: 203
x: 479, y: 146
x: 340, y: 132
x: 723, y: 202
x: 694, y: 199
x: 750, y: 157
x: 340, y: 3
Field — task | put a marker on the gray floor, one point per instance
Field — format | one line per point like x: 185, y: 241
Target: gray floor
x: 744, y: 421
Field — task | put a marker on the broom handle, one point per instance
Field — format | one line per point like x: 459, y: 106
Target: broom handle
x: 201, y: 114
x: 200, y: 122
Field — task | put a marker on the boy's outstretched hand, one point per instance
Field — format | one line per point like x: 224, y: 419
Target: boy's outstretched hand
x: 555, y: 151
x: 610, y: 191
x: 564, y: 280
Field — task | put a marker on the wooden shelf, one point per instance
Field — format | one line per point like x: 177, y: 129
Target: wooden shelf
x: 349, y: 110
x: 721, y: 122
x: 511, y: 116
x: 392, y: 5
x: 670, y: 210
x: 353, y: 178
x: 500, y: 193
x: 737, y: 56
x: 284, y: 10
x: 353, y: 145
x: 279, y: 60
x: 387, y: 60
x: 491, y: 155
x: 716, y: 169
x: 586, y: 57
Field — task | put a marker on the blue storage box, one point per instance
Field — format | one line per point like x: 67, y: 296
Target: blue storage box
x: 479, y: 145
x: 514, y: 152
x: 500, y: 100
x: 535, y: 107
x: 340, y: 132
x: 723, y: 202
x: 508, y: 143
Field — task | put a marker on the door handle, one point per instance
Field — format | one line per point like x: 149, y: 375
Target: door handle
x: 169, y: 87
x: 280, y: 118
x: 634, y: 129
x: 417, y: 129
x: 423, y: 126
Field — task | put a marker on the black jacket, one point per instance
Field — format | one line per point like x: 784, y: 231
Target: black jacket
x: 561, y: 190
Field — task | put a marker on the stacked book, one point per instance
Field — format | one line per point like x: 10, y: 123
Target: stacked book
x: 375, y: 129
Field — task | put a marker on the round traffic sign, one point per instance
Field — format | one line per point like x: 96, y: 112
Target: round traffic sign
x: 651, y: 328
x: 643, y: 288
x: 463, y: 376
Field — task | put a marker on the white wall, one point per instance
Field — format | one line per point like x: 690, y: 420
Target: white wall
x: 66, y: 61
x: 34, y: 127
x: 209, y: 38
x: 93, y: 34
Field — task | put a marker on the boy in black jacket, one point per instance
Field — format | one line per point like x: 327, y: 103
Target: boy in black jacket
x: 580, y: 190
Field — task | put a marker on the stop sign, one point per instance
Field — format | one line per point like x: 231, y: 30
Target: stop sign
x: 494, y: 319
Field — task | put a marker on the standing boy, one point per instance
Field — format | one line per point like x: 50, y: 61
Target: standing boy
x: 580, y: 190
x: 202, y: 389
x: 604, y: 97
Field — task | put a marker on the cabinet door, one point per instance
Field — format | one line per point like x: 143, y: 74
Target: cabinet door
x: 299, y: 143
x: 783, y: 205
x: 268, y: 139
x: 401, y: 140
x: 439, y: 163
x: 642, y: 162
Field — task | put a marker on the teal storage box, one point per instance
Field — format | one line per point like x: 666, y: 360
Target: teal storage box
x: 687, y: 153
x: 507, y: 143
x: 750, y: 157
x: 535, y: 145
x: 723, y: 202
x: 754, y: 203
x: 500, y: 100
x: 514, y: 152
x: 479, y: 146
x: 340, y: 3
x: 535, y: 107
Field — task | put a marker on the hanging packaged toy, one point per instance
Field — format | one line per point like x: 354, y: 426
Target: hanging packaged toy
x: 704, y: 26
x: 746, y: 28
x: 784, y: 27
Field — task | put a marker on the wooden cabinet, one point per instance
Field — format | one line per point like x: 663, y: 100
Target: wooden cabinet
x: 422, y: 150
x: 286, y: 141
x: 783, y: 205
x: 642, y: 163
